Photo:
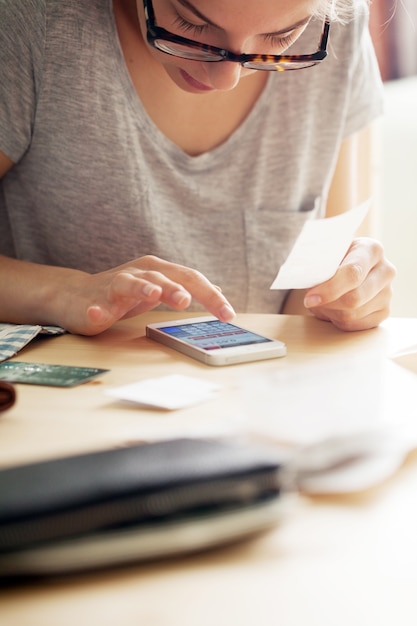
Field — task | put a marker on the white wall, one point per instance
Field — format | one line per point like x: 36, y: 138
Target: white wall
x: 398, y: 225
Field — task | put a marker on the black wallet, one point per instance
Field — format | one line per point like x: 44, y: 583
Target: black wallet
x: 135, y: 503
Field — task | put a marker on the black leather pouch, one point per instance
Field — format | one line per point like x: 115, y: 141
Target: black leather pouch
x: 134, y: 503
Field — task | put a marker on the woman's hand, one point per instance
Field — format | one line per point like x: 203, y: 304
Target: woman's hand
x: 90, y: 303
x: 358, y: 296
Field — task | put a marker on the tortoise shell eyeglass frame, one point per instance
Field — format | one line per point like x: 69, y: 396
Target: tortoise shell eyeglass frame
x: 185, y: 48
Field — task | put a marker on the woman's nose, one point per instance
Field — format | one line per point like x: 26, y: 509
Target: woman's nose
x: 224, y: 75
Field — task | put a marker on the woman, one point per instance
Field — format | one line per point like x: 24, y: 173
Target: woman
x: 130, y: 153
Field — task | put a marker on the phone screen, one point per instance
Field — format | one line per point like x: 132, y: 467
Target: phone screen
x: 214, y: 335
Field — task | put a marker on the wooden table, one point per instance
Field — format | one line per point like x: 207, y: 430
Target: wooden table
x: 333, y: 561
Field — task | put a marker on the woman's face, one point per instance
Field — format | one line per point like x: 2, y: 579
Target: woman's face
x: 240, y: 26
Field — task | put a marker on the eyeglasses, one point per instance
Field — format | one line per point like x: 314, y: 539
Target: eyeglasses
x: 191, y: 50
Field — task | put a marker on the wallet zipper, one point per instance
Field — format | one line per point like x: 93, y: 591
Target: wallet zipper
x: 141, y: 508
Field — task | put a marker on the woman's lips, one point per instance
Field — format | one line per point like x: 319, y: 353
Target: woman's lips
x: 194, y: 83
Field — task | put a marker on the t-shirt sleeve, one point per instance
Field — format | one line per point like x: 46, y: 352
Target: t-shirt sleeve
x: 22, y: 36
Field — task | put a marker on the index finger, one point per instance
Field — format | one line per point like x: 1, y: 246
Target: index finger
x: 210, y: 296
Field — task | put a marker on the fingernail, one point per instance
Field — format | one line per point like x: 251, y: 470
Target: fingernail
x: 180, y: 298
x: 150, y: 290
x: 227, y: 313
x: 312, y: 301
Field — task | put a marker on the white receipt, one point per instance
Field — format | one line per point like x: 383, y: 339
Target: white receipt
x: 319, y: 250
x: 166, y: 392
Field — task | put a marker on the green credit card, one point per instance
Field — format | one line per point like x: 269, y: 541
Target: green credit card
x: 45, y: 374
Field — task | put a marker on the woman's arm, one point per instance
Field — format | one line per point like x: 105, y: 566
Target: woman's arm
x: 5, y: 164
x: 89, y: 303
x: 356, y: 177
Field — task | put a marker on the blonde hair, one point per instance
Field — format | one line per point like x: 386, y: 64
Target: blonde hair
x: 341, y: 10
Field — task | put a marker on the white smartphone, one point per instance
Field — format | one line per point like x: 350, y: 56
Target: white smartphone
x: 211, y: 341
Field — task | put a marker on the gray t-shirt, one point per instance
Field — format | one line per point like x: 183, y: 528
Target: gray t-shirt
x: 96, y: 183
